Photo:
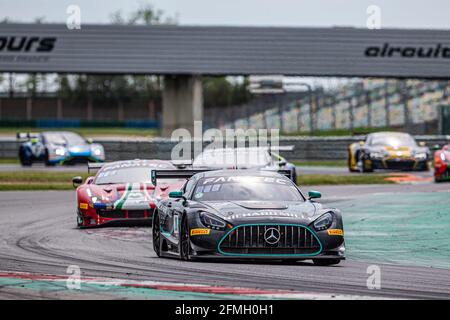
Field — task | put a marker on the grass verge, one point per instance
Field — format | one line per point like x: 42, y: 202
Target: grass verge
x: 331, y: 179
x: 42, y: 180
x: 142, y: 132
x: 320, y: 163
x: 38, y: 180
x: 9, y: 161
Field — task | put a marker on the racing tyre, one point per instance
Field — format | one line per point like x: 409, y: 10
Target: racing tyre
x: 47, y: 161
x: 364, y: 167
x: 156, y: 234
x: 79, y: 220
x: 349, y: 162
x: 326, y: 262
x: 185, y: 244
x: 24, y: 161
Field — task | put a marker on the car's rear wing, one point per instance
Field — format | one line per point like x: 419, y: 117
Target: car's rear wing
x: 186, y: 174
x: 175, y: 174
x: 24, y: 136
x: 282, y: 148
x: 182, y: 164
x: 95, y: 166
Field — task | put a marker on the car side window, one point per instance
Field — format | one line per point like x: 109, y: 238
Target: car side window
x: 188, y: 186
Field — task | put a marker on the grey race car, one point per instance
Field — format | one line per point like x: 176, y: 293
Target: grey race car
x: 245, y: 214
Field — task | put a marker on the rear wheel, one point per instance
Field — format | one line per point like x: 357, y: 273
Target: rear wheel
x: 185, y: 244
x: 156, y: 234
x: 326, y: 262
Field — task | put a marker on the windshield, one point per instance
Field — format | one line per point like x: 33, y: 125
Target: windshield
x: 245, y: 188
x: 226, y: 158
x: 131, y: 172
x: 393, y: 140
x: 64, y: 138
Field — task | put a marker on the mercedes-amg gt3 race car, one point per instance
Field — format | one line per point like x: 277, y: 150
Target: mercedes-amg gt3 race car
x: 442, y: 164
x: 262, y: 158
x: 246, y: 214
x: 121, y: 192
x: 53, y: 147
x: 388, y: 150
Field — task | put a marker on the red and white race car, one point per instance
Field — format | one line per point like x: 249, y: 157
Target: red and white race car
x: 122, y: 192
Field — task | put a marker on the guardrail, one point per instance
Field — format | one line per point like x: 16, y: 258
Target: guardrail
x: 305, y: 148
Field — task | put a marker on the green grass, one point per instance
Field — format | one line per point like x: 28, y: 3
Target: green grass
x: 9, y: 161
x: 44, y: 180
x: 88, y: 131
x: 320, y: 163
x: 330, y: 179
x: 39, y: 180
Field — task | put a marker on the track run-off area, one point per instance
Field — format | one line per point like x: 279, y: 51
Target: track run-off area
x: 400, y: 228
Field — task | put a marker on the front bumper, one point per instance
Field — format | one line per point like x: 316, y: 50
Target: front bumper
x: 398, y: 164
x: 442, y: 172
x: 92, y: 217
x: 292, y: 243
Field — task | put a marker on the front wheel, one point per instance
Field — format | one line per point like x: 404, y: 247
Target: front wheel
x: 24, y: 159
x: 156, y: 234
x: 185, y: 243
x: 47, y: 160
x: 79, y: 220
x: 326, y: 262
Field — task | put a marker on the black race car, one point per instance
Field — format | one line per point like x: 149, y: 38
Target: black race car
x: 245, y: 214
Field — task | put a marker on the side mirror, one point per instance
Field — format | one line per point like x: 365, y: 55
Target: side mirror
x: 176, y: 194
x: 422, y: 144
x: 314, y: 194
x: 361, y: 143
x: 77, y: 181
x: 89, y: 140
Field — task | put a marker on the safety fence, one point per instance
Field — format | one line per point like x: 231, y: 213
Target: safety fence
x: 412, y: 105
x: 305, y: 148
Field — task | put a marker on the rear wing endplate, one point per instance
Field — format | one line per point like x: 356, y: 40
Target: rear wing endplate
x: 94, y: 166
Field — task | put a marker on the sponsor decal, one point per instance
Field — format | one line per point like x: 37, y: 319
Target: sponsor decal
x: 244, y: 179
x: 83, y: 205
x: 200, y: 231
x: 264, y: 214
x: 428, y: 52
x: 27, y: 44
x: 335, y: 232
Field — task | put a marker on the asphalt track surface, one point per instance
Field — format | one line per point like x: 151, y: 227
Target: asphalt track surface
x: 38, y: 235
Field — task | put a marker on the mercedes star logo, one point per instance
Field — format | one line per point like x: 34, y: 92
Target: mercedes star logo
x: 272, y: 236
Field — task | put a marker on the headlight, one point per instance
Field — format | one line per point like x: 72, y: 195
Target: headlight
x: 98, y: 151
x: 60, y: 151
x: 377, y: 154
x: 420, y: 156
x: 211, y: 221
x: 323, y: 222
